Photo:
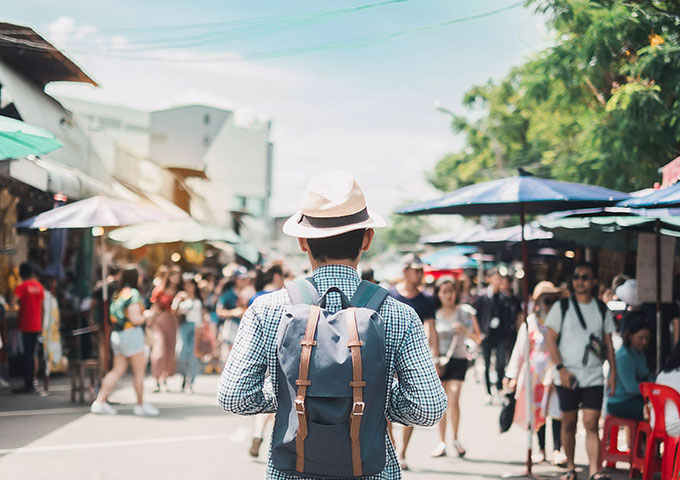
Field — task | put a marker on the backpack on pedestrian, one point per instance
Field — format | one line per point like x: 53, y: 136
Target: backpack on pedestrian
x: 330, y: 420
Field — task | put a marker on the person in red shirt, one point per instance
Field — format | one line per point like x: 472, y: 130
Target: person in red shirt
x: 30, y: 295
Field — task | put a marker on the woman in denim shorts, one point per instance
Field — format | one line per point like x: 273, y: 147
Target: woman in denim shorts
x: 127, y: 343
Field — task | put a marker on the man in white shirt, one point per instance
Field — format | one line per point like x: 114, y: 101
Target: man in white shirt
x: 576, y: 342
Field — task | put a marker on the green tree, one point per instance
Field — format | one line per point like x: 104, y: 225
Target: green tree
x: 601, y: 106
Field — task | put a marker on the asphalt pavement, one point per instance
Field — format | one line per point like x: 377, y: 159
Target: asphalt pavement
x: 51, y: 438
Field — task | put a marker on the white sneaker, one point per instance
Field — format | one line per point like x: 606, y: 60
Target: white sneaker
x: 439, y: 450
x: 102, y: 408
x: 145, y: 410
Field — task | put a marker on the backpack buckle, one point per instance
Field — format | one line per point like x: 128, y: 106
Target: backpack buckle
x: 300, y: 406
x: 358, y: 408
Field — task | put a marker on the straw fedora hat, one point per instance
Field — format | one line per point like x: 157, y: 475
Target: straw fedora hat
x: 333, y: 204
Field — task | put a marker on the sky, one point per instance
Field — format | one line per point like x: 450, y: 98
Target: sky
x: 361, y: 100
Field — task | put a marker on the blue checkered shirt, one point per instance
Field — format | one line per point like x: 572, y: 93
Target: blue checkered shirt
x: 414, y: 393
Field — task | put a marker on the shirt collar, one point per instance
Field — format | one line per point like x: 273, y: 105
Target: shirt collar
x: 325, y: 272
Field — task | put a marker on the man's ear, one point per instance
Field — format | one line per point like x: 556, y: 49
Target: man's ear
x: 368, y: 239
x: 304, y: 246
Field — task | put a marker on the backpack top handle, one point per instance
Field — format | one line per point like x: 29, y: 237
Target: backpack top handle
x: 344, y: 301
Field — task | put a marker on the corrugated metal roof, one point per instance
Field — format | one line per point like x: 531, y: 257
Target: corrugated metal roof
x: 26, y: 51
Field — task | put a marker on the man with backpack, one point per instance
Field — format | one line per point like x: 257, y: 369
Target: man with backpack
x: 579, y: 339
x: 340, y: 353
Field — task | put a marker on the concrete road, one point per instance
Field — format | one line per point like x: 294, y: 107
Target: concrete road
x: 50, y: 438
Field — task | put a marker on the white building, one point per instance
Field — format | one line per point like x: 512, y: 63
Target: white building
x: 214, y: 163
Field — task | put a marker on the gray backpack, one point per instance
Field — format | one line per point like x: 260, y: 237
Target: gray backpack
x: 330, y: 420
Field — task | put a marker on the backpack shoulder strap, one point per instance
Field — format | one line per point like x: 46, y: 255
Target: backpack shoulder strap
x: 369, y: 295
x: 564, y: 306
x: 303, y: 290
x: 603, y: 311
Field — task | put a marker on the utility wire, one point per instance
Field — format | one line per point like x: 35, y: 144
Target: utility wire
x: 336, y: 45
x: 219, y: 32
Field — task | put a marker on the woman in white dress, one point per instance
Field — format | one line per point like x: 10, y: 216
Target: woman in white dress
x: 545, y: 402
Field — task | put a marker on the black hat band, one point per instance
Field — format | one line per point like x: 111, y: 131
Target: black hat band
x: 334, y: 222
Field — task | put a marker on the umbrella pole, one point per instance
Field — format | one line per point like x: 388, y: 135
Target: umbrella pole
x: 657, y: 230
x: 527, y: 365
x: 105, y: 306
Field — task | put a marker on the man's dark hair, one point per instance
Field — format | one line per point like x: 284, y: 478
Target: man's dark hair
x: 586, y: 265
x: 619, y: 280
x: 129, y: 277
x: 265, y: 276
x: 368, y: 274
x: 339, y: 247
x: 25, y: 271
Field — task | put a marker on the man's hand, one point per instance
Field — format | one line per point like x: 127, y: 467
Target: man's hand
x: 566, y: 378
x: 611, y: 385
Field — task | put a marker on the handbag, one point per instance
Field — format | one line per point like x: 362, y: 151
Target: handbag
x: 507, y: 412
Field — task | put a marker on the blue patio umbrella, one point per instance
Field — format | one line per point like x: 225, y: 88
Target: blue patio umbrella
x: 512, y: 195
x: 663, y: 198
x: 451, y: 258
x: 518, y: 195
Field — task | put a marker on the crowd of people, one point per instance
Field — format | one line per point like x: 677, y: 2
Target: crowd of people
x: 198, y: 316
x: 584, y: 348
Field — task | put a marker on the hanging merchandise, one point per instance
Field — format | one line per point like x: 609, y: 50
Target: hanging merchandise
x: 8, y: 220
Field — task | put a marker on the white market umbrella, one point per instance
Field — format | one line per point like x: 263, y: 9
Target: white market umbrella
x: 100, y: 211
x: 186, y: 231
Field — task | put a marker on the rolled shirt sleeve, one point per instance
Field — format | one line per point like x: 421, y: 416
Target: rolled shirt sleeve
x: 416, y: 396
x: 244, y: 387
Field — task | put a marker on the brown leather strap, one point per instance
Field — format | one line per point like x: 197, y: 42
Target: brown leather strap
x: 302, y: 383
x: 357, y: 385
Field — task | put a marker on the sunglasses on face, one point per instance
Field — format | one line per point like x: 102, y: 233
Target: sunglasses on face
x: 584, y: 278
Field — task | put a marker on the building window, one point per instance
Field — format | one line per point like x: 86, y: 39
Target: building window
x: 105, y: 122
x: 135, y: 128
x: 239, y: 203
x: 255, y: 206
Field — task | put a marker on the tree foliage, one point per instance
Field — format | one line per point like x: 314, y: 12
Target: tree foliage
x: 601, y: 106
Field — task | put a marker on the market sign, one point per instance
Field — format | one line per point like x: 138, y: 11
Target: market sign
x: 646, y: 268
x: 671, y: 173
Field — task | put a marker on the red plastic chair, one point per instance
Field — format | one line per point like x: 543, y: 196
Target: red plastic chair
x: 637, y: 454
x: 609, y: 446
x: 657, y: 395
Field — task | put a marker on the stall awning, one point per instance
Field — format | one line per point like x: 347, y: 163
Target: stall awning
x: 28, y: 52
x: 52, y: 177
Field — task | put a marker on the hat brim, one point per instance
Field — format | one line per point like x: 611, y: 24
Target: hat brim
x: 293, y: 228
x: 547, y: 291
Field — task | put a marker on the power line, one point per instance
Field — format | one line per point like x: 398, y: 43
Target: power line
x: 278, y: 53
x: 221, y: 32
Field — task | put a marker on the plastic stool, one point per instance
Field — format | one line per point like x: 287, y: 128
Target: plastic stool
x: 609, y: 446
x: 637, y: 457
